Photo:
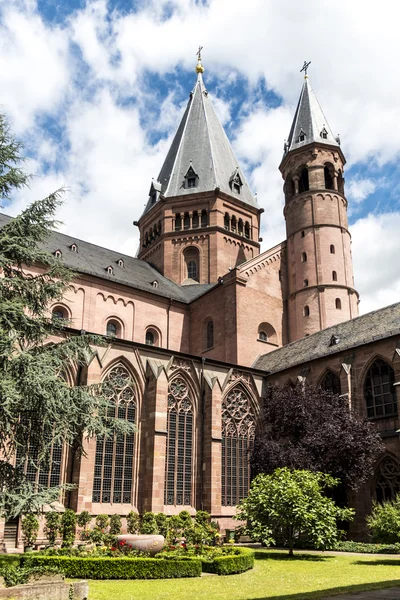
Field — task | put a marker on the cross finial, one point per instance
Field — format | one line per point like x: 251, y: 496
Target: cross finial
x: 305, y: 67
x: 199, y: 67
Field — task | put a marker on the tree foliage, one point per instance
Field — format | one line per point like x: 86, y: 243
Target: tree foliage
x: 39, y: 408
x: 292, y: 506
x: 384, y: 521
x: 305, y: 427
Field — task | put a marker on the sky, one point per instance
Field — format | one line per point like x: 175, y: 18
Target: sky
x: 96, y: 89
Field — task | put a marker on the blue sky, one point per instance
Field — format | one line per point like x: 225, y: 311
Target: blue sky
x: 95, y: 89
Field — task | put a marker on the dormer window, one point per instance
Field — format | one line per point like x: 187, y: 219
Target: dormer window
x: 120, y: 263
x: 73, y: 248
x: 58, y: 254
x: 302, y: 136
x: 324, y: 134
x: 191, y: 178
x: 154, y: 284
x: 110, y: 270
x: 235, y: 181
x: 154, y: 193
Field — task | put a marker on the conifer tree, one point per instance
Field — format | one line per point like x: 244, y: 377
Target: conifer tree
x: 38, y: 409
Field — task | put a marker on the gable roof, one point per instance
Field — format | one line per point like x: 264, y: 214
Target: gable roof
x: 201, y: 143
x: 310, y: 120
x: 94, y: 260
x: 365, y: 329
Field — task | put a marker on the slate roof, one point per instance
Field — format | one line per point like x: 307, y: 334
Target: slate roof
x: 310, y: 119
x: 367, y: 328
x: 94, y: 260
x: 201, y: 143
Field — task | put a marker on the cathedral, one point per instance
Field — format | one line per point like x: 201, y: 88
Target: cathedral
x: 200, y: 321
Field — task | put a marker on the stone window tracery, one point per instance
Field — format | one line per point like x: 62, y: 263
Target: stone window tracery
x: 115, y: 454
x: 380, y: 395
x: 331, y: 383
x: 179, y: 459
x: 238, y: 432
x: 387, y: 484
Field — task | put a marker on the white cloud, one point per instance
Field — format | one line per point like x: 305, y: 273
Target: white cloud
x: 357, y: 189
x: 375, y: 250
x: 88, y: 74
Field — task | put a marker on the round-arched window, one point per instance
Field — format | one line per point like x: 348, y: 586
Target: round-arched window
x: 59, y: 313
x: 191, y: 264
x: 152, y: 337
x: 113, y: 328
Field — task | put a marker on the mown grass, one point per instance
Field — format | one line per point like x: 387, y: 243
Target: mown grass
x: 274, y: 577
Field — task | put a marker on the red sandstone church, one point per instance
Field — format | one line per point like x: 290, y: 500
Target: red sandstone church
x: 200, y: 321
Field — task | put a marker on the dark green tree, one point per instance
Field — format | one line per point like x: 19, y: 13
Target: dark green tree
x: 37, y: 406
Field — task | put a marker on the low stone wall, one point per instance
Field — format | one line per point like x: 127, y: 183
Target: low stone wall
x: 46, y: 591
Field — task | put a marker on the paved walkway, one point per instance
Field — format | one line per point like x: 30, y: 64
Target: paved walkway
x: 386, y: 594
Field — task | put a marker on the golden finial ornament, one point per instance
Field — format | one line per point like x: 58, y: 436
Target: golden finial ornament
x: 199, y: 66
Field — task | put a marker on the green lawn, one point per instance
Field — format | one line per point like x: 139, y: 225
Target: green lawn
x: 275, y: 576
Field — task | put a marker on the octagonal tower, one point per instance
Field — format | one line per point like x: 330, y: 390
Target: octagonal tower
x: 319, y: 263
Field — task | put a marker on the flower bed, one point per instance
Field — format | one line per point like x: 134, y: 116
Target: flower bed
x: 118, y: 568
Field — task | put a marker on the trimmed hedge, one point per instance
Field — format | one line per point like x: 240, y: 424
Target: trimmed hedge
x: 229, y: 564
x: 367, y: 548
x: 117, y: 568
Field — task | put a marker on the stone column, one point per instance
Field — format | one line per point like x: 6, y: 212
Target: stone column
x: 153, y: 443
x: 211, y: 467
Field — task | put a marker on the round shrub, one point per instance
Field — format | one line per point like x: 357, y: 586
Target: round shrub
x: 149, y: 524
x: 133, y: 522
x: 115, y: 525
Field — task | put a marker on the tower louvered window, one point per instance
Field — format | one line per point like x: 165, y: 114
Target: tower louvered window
x: 238, y: 431
x: 179, y: 460
x: 114, y: 462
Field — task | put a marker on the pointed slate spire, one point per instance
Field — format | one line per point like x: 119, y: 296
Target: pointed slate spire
x: 200, y: 158
x: 309, y: 123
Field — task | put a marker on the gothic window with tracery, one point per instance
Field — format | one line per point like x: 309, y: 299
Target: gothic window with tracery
x: 238, y: 431
x: 331, y: 383
x: 115, y: 454
x: 48, y: 472
x: 380, y: 395
x: 387, y: 484
x: 179, y: 460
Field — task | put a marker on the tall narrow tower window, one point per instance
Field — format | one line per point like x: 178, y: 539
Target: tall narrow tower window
x: 233, y: 224
x: 304, y: 257
x: 195, y: 220
x: 328, y: 178
x: 247, y: 230
x: 334, y: 276
x: 191, y: 266
x: 204, y: 218
x: 178, y: 222
x: 186, y: 221
x: 240, y: 227
x: 304, y: 185
x: 226, y: 221
x: 332, y: 249
x: 338, y: 303
x: 306, y: 311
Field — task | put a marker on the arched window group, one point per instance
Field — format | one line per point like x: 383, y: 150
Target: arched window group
x: 237, y: 225
x: 152, y: 234
x: 114, y: 460
x: 238, y: 432
x: 191, y: 220
x: 179, y: 459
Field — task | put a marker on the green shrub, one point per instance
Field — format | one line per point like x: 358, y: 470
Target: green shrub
x: 368, y: 548
x: 102, y: 522
x: 202, y: 517
x: 115, y: 525
x: 30, y: 528
x: 117, y: 568
x: 16, y: 575
x: 228, y: 564
x: 83, y: 519
x: 68, y: 527
x: 175, y: 528
x: 133, y: 522
x: 162, y: 524
x: 51, y: 529
x: 149, y: 524
x: 384, y: 521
